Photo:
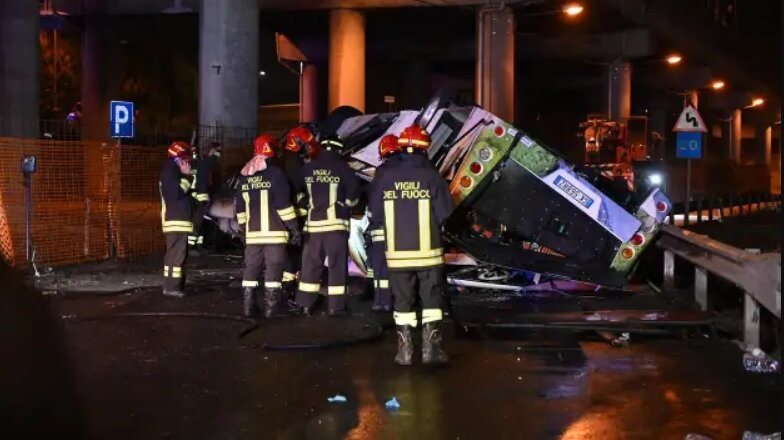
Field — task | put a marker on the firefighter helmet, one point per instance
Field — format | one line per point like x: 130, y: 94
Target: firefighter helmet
x: 299, y: 137
x: 265, y: 145
x: 388, y: 145
x: 414, y: 136
x: 332, y: 142
x: 179, y: 149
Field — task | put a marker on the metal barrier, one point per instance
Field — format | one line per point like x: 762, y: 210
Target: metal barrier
x: 715, y: 208
x: 759, y: 275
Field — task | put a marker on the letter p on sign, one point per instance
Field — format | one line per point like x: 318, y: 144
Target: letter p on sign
x: 121, y: 119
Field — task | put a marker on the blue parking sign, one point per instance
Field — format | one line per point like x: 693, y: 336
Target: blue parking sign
x: 121, y: 119
x: 688, y: 145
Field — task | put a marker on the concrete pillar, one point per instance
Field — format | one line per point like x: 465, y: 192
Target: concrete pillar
x: 736, y: 135
x: 619, y: 90
x: 495, y: 62
x: 19, y: 60
x: 346, y: 59
x: 692, y: 97
x: 308, y: 93
x: 98, y: 80
x: 229, y: 63
x: 765, y: 143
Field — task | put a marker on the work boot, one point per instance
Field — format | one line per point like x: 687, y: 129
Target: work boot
x: 250, y: 305
x: 432, y: 353
x: 271, y: 301
x: 405, y: 345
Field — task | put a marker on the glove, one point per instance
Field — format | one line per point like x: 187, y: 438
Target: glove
x: 295, y: 238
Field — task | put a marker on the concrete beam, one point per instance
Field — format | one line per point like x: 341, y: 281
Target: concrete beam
x: 629, y: 44
x: 346, y: 59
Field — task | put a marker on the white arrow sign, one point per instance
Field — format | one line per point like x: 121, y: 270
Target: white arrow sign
x: 690, y: 120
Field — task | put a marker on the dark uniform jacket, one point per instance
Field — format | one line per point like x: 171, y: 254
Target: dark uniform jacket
x: 332, y: 189
x: 263, y: 204
x: 413, y: 202
x: 176, y: 203
x: 205, y: 178
x: 291, y: 163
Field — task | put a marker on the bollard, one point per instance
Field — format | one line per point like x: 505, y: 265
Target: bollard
x: 669, y: 269
x: 701, y: 288
x: 711, y: 217
x: 699, y: 210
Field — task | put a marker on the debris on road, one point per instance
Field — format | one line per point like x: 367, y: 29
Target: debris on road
x: 392, y: 404
x: 337, y: 398
x: 693, y: 436
x: 756, y: 361
x: 616, y: 341
x: 749, y: 435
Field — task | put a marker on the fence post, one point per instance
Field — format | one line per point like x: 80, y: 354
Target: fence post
x: 701, y: 288
x: 711, y: 204
x: 669, y: 269
x: 699, y: 210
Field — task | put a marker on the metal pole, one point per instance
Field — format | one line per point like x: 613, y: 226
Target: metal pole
x: 688, y: 193
x: 28, y: 203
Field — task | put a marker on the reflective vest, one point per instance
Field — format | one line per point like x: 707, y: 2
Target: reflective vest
x: 176, y: 204
x: 331, y: 188
x: 263, y: 204
x: 412, y: 201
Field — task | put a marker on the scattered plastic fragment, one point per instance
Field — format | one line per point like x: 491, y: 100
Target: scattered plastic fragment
x: 337, y: 398
x: 653, y: 316
x: 693, y: 436
x: 392, y: 404
x: 756, y: 361
x: 749, y: 435
x: 621, y: 341
x: 594, y: 317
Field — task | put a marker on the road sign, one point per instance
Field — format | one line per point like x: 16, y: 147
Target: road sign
x: 688, y: 145
x: 690, y: 121
x: 121, y: 119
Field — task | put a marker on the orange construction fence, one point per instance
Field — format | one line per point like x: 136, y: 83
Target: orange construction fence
x: 89, y: 200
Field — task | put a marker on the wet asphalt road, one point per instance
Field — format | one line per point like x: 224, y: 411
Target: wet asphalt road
x: 149, y: 378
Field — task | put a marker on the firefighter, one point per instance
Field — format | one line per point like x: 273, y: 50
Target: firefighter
x: 388, y: 148
x: 331, y: 188
x: 413, y: 202
x: 176, y: 216
x: 204, y: 181
x: 299, y: 142
x: 265, y: 211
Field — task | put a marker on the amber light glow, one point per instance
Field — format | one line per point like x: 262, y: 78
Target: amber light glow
x: 573, y: 9
x: 674, y: 59
x: 717, y: 85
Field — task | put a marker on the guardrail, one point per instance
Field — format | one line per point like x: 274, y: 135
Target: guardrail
x: 708, y: 209
x: 759, y: 275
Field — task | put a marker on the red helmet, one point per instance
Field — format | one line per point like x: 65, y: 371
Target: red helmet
x: 415, y: 137
x: 178, y: 149
x: 298, y: 137
x: 265, y: 145
x: 388, y: 145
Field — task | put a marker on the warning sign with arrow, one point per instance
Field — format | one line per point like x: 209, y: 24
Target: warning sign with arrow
x: 690, y: 121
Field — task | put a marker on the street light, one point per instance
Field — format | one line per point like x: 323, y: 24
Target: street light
x: 756, y: 102
x: 674, y: 59
x: 573, y: 9
x: 717, y: 85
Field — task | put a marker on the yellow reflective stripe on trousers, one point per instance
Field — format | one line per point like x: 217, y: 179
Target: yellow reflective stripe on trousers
x: 336, y: 290
x: 431, y: 315
x: 377, y: 239
x: 415, y: 262
x: 250, y: 283
x: 407, y: 318
x: 383, y: 284
x: 352, y: 202
x: 319, y: 229
x: 309, y: 287
x: 370, y: 273
x: 176, y: 272
x: 288, y: 276
x: 166, y: 271
x: 407, y: 255
x: 272, y: 284
x: 389, y: 223
x: 266, y: 240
